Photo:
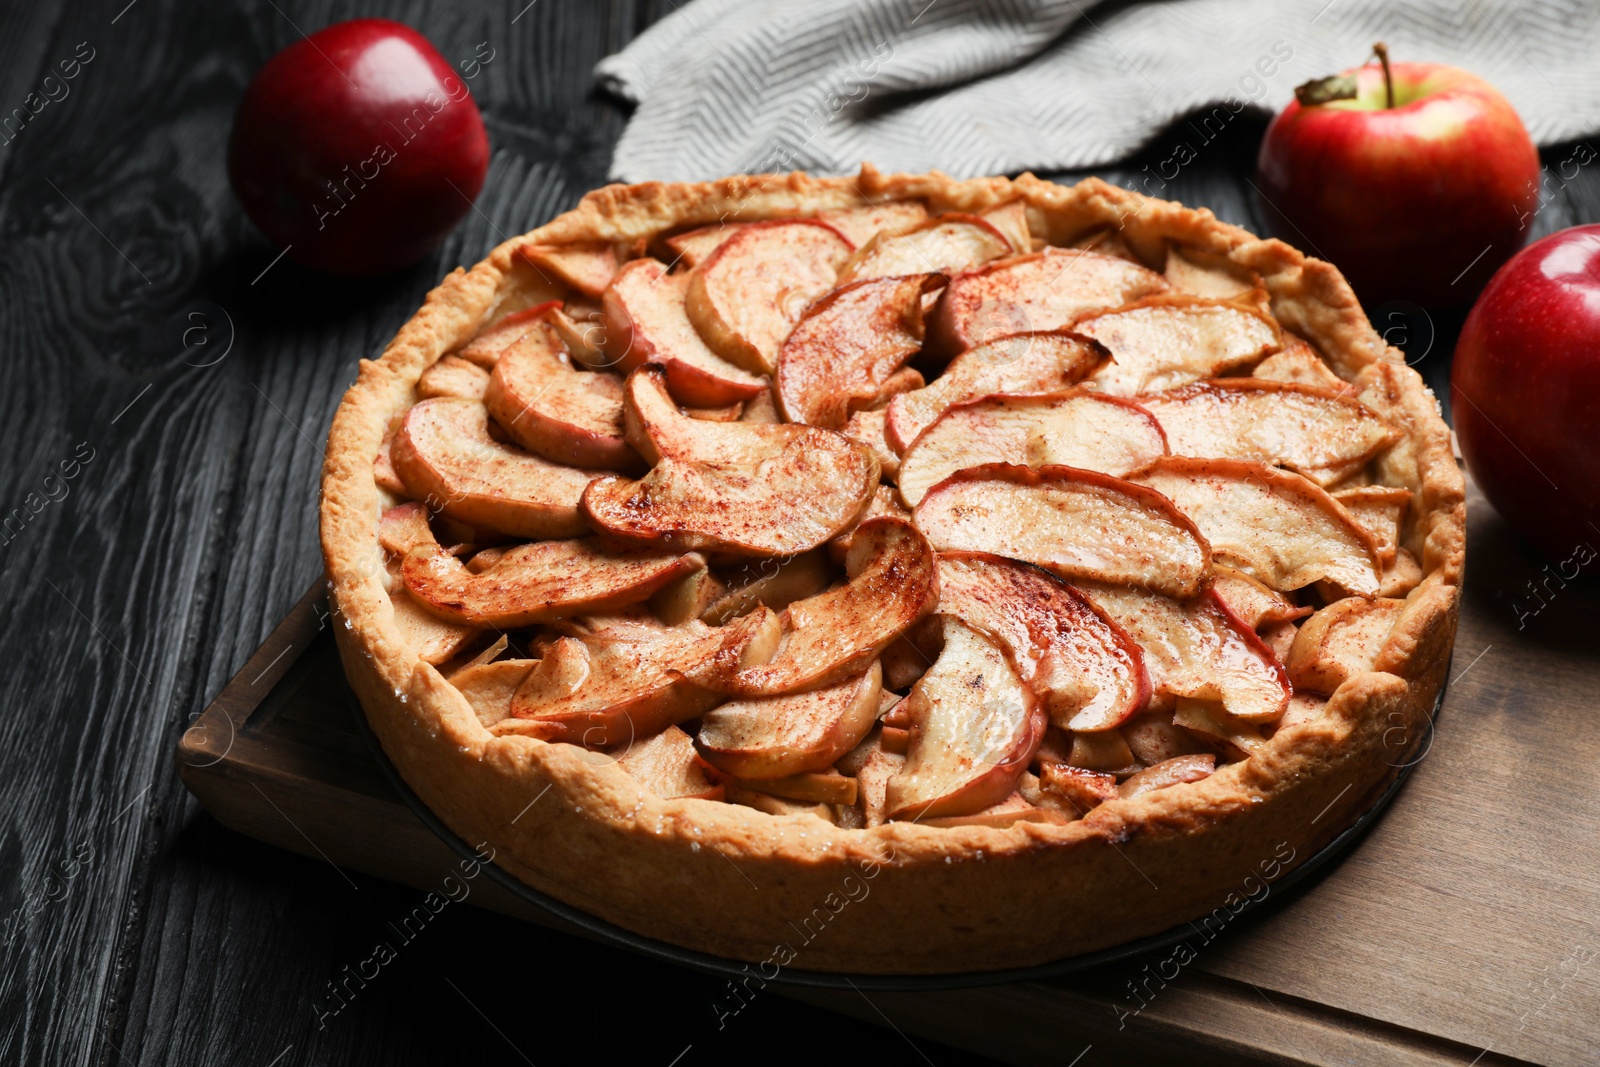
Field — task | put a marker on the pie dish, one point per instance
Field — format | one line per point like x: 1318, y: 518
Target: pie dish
x: 893, y: 574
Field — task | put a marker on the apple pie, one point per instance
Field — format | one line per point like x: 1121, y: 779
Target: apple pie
x: 893, y: 574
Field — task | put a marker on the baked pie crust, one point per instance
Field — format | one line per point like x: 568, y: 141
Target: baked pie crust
x: 1023, y: 881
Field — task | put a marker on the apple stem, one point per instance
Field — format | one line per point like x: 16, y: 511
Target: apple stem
x: 1381, y: 50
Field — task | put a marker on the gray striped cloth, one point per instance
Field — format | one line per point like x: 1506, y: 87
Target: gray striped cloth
x: 999, y: 86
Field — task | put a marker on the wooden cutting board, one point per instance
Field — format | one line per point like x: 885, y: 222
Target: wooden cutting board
x: 1464, y: 928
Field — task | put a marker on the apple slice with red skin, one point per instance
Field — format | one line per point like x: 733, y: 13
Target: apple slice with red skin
x: 446, y: 458
x: 484, y: 349
x: 691, y: 247
x: 1073, y: 523
x: 742, y: 488
x: 836, y: 634
x: 453, y: 376
x: 1274, y: 525
x: 1011, y: 219
x: 1080, y: 791
x: 538, y: 582
x: 404, y: 527
x: 1256, y: 605
x: 848, y: 347
x: 668, y: 766
x: 1079, y: 429
x: 1021, y: 363
x: 617, y: 679
x: 1317, y: 432
x: 974, y: 729
x: 585, y: 266
x: 775, y: 737
x: 945, y: 244
x: 1166, y: 341
x: 747, y: 295
x: 1046, y: 290
x: 1197, y: 648
x: 1086, y: 671
x: 645, y: 321
x: 554, y: 410
x: 1340, y: 641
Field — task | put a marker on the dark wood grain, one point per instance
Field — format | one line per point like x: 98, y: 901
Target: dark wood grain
x: 137, y: 929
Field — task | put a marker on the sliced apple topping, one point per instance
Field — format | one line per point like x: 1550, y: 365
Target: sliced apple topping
x: 433, y: 639
x: 1020, y: 363
x: 1315, y: 431
x: 1206, y: 718
x: 848, y: 347
x: 1381, y: 511
x: 1255, y: 605
x: 551, y: 408
x: 1011, y: 219
x: 893, y: 583
x: 1340, y: 641
x: 1197, y: 648
x: 782, y: 806
x: 1199, y: 274
x: 692, y: 247
x: 1075, y: 429
x: 488, y: 687
x: 453, y: 376
x: 1046, y: 290
x: 1154, y: 738
x: 1275, y: 526
x: 812, y: 787
x: 870, y: 428
x: 1103, y: 751
x: 538, y: 582
x: 614, y: 680
x: 1299, y: 364
x: 1171, y: 341
x: 739, y: 487
x: 1087, y: 672
x: 945, y: 244
x: 645, y: 321
x: 587, y: 267
x: 402, y: 528
x: 668, y: 766
x: 383, y: 473
x: 446, y: 458
x: 873, y: 768
x: 974, y: 729
x: 484, y: 349
x: 862, y: 224
x: 1073, y: 523
x: 775, y: 583
x: 686, y: 597
x: 747, y: 295
x: 1078, y: 791
x: 780, y: 736
x: 1172, y: 772
x: 1008, y: 812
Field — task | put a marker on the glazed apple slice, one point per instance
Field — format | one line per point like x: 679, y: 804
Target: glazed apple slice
x: 1197, y: 648
x: 554, y: 410
x: 1087, y: 672
x: 1381, y: 510
x: 645, y: 322
x: 615, y: 680
x: 1205, y: 718
x: 485, y: 348
x: 404, y: 527
x: 1176, y: 771
x: 1169, y: 341
x: 1046, y: 290
x: 848, y: 346
x: 862, y: 224
x: 835, y: 634
x: 1275, y: 526
x: 747, y: 295
x: 1314, y: 431
x: 1340, y: 641
x: 815, y: 787
x: 586, y: 266
x: 739, y: 487
x: 668, y: 766
x: 945, y: 244
x: 776, y: 583
x: 538, y: 582
x: 1073, y: 429
x: 774, y: 737
x: 1073, y: 523
x: 1021, y: 363
x: 1078, y: 791
x: 974, y: 729
x: 1255, y: 605
x: 453, y: 376
x: 446, y: 458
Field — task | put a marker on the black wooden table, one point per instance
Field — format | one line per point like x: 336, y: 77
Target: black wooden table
x: 166, y: 387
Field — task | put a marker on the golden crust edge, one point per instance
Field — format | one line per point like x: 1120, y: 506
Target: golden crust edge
x: 482, y: 785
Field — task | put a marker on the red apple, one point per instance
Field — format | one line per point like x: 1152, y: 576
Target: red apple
x: 358, y: 149
x: 1525, y: 392
x: 1418, y: 196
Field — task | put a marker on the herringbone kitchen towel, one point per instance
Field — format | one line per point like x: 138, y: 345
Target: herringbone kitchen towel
x: 1000, y: 86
